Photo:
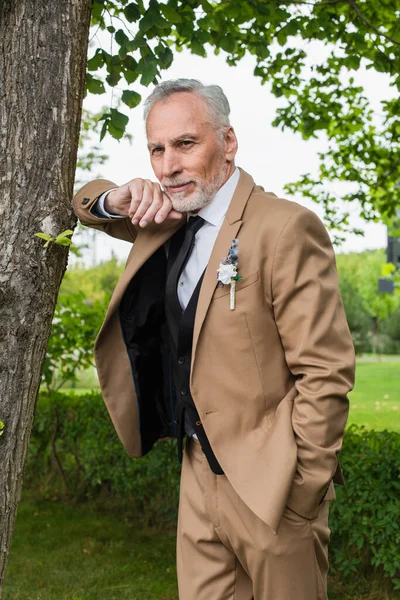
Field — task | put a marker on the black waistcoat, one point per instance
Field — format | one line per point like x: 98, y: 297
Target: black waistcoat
x: 158, y: 338
x: 180, y: 327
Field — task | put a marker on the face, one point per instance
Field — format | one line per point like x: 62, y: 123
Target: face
x: 190, y: 158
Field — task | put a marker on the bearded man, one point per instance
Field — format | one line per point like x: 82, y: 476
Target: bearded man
x: 226, y: 329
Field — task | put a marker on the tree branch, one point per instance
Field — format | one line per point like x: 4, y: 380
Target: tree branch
x: 366, y: 22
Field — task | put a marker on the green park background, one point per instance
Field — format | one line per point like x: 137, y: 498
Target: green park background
x: 94, y: 524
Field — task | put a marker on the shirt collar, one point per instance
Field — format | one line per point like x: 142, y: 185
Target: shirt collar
x: 216, y: 210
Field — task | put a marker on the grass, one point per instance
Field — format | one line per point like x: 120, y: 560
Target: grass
x: 375, y: 400
x: 67, y: 552
x: 63, y: 552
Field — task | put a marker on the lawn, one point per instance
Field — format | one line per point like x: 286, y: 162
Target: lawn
x: 78, y: 552
x: 63, y: 552
x: 375, y: 400
x: 66, y: 552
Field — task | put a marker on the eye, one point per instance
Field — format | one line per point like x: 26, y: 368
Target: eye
x: 157, y: 150
x: 186, y: 143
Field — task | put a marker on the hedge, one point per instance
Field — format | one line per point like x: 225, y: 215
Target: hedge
x: 75, y: 453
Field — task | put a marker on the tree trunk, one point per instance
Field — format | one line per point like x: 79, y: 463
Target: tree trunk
x: 42, y: 70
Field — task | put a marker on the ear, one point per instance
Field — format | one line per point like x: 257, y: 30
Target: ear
x: 230, y: 143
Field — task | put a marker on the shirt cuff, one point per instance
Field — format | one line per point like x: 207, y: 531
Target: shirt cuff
x: 98, y: 208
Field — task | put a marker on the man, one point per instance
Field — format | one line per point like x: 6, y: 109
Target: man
x: 254, y: 371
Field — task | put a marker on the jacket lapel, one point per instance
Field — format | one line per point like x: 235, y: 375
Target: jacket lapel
x: 227, y: 233
x: 147, y: 242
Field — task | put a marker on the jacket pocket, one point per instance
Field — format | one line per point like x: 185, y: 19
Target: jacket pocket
x: 240, y: 284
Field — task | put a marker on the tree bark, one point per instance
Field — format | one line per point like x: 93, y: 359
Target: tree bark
x: 43, y: 47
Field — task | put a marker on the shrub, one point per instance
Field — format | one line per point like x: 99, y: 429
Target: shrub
x: 358, y: 317
x: 74, y: 452
x: 365, y: 520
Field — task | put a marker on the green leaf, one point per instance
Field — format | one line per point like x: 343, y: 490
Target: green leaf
x: 132, y: 12
x: 149, y: 71
x: 63, y: 241
x: 165, y: 56
x: 170, y: 14
x: 96, y: 62
x: 1, y: 427
x: 130, y: 75
x: 121, y: 38
x: 65, y: 233
x: 113, y: 77
x: 388, y: 269
x: 94, y: 86
x: 43, y: 236
x: 118, y: 120
x: 114, y: 132
x: 228, y: 43
x: 104, y: 129
x: 148, y: 21
x: 131, y: 98
x: 197, y: 48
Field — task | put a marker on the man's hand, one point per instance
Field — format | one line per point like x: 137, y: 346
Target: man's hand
x: 143, y: 201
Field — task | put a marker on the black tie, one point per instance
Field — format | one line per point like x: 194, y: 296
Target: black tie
x: 180, y: 257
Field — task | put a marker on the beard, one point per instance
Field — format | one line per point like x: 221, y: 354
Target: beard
x: 203, y: 193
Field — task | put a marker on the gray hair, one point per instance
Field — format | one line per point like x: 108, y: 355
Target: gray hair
x: 213, y: 95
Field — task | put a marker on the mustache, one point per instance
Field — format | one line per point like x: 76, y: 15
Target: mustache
x: 172, y: 181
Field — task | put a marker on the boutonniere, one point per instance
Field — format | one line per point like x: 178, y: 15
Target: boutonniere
x: 227, y: 272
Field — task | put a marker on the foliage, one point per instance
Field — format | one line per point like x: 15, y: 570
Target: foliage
x: 358, y: 317
x: 363, y: 270
x: 1, y: 427
x: 94, y: 461
x: 367, y: 309
x: 96, y: 283
x: 364, y: 521
x: 75, y: 325
x: 80, y: 310
x: 62, y: 239
x: 283, y: 37
x: 391, y: 327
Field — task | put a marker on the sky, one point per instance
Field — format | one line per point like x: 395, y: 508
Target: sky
x: 271, y: 156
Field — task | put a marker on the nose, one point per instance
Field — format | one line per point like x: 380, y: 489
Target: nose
x: 171, y: 164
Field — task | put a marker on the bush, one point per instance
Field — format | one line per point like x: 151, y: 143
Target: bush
x: 391, y: 327
x: 74, y: 452
x: 365, y: 520
x: 358, y: 317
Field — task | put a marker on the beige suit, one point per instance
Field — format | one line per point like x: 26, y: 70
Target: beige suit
x: 270, y: 378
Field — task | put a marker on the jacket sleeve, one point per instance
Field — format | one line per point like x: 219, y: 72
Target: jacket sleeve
x: 319, y: 351
x: 83, y: 203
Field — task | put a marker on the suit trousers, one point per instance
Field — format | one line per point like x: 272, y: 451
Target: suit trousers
x: 225, y: 552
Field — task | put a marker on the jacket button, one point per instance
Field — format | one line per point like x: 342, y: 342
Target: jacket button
x: 184, y: 392
x: 181, y: 360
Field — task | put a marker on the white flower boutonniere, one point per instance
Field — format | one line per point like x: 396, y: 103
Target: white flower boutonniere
x: 227, y: 272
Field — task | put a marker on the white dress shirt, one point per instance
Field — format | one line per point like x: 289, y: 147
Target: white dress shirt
x: 213, y: 215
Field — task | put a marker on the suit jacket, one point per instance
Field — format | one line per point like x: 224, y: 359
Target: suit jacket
x: 270, y: 378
